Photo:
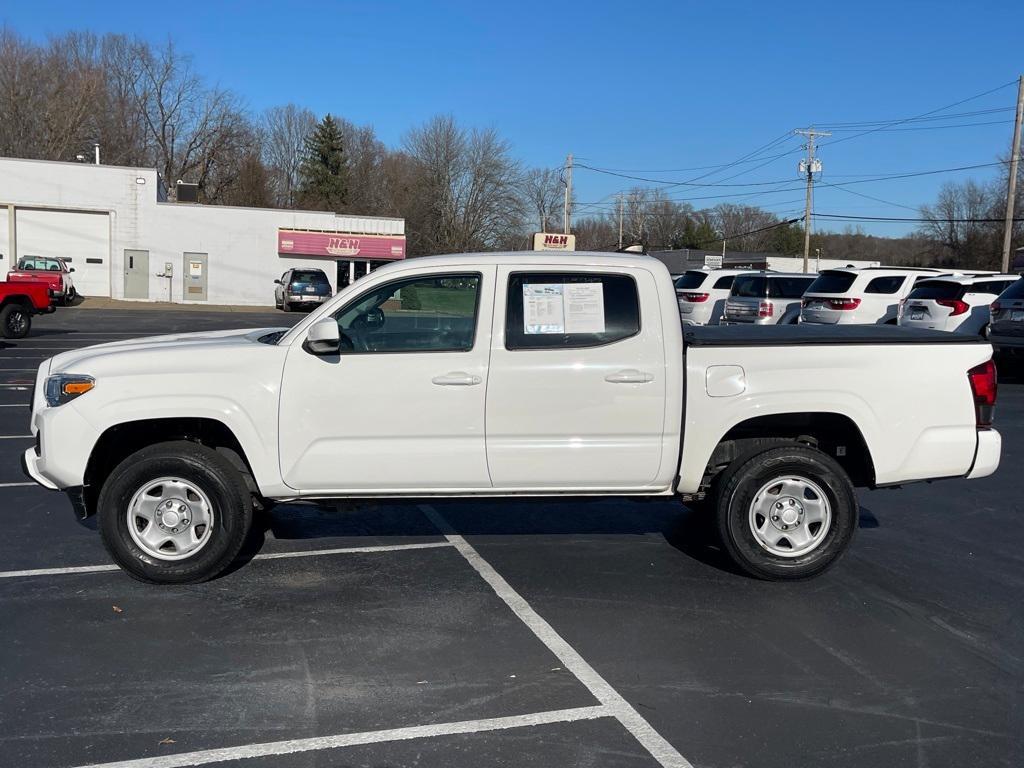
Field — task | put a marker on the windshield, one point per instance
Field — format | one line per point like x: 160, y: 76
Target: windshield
x: 1015, y: 291
x: 936, y: 289
x: 832, y: 282
x: 690, y: 280
x: 47, y: 265
x: 309, y: 277
x: 749, y: 286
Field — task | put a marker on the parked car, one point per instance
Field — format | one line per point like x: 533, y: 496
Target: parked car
x: 958, y: 304
x: 702, y: 293
x: 54, y: 272
x: 861, y: 296
x: 173, y: 441
x: 301, y: 288
x: 1006, y: 331
x: 19, y: 302
x: 765, y: 298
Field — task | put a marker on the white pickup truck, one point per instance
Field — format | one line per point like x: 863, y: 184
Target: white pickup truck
x: 507, y: 374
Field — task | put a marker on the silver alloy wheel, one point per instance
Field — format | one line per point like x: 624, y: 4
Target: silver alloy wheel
x: 170, y: 519
x: 790, y: 516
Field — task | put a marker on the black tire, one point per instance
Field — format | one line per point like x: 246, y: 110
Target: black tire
x: 745, y: 477
x: 286, y: 306
x: 15, y: 321
x: 69, y: 298
x: 207, y: 470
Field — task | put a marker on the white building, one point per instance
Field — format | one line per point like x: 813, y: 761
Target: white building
x: 115, y: 228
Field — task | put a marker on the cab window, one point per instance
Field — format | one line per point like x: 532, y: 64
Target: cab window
x: 559, y: 310
x: 428, y: 313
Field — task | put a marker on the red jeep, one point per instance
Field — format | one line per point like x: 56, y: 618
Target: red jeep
x: 18, y: 302
x: 54, y: 272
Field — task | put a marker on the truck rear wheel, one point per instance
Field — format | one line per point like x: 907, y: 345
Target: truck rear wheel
x: 786, y: 513
x: 15, y: 321
x: 174, y: 513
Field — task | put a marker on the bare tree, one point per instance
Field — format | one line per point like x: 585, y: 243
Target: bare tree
x: 284, y: 132
x: 469, y: 183
x: 543, y: 197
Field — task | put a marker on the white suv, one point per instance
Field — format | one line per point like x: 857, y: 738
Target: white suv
x: 701, y: 294
x: 959, y: 304
x: 861, y: 296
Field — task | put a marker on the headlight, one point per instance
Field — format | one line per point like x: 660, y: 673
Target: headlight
x: 65, y: 387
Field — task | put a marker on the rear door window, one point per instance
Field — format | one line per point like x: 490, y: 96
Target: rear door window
x: 558, y: 310
x: 749, y: 286
x: 994, y: 287
x: 890, y: 284
x: 690, y: 280
x: 832, y: 282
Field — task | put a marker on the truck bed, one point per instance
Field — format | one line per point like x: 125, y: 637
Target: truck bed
x: 817, y: 335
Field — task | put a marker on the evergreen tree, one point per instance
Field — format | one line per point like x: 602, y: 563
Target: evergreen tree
x: 323, y: 174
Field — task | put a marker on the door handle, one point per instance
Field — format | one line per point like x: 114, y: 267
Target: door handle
x: 629, y: 376
x: 456, y: 379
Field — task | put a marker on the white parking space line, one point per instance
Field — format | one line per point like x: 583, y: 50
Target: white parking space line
x: 18, y: 485
x: 15, y: 437
x: 207, y: 756
x: 14, y: 405
x: 613, y: 701
x: 266, y: 556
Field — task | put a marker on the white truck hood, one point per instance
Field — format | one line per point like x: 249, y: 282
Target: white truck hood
x: 179, y: 346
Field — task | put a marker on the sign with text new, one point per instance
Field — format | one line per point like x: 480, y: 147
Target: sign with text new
x: 552, y: 241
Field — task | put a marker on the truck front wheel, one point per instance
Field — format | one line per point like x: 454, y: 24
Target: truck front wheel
x: 174, y: 513
x: 786, y: 513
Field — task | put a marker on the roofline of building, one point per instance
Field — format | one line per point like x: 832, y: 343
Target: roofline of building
x: 215, y: 207
x: 78, y: 164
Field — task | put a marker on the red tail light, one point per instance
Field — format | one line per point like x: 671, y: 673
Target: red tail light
x: 765, y: 309
x: 843, y: 303
x: 984, y: 385
x: 956, y: 305
x: 995, y: 307
x: 697, y: 297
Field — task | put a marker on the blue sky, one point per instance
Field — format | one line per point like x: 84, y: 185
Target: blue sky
x: 647, y: 86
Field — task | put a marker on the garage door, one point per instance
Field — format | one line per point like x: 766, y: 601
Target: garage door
x: 81, y: 238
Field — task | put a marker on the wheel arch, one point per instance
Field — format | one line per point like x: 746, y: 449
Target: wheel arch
x: 835, y: 434
x: 120, y: 441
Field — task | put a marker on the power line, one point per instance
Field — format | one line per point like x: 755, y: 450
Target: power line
x: 891, y: 121
x: 929, y: 127
x: 917, y: 117
x: 919, y: 219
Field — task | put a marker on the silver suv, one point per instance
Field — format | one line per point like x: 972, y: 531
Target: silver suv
x: 766, y: 298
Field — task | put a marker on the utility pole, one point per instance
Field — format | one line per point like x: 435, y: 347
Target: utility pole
x: 809, y: 166
x: 620, y: 221
x: 1011, y: 188
x: 567, y: 216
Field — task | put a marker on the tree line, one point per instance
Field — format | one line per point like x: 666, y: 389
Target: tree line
x: 458, y: 188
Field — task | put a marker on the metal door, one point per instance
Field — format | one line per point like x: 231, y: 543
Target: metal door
x: 136, y: 274
x: 194, y: 277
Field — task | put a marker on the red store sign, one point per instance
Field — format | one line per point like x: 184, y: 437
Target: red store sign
x: 340, y: 245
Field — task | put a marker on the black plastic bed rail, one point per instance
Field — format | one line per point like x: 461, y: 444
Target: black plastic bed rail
x: 817, y: 335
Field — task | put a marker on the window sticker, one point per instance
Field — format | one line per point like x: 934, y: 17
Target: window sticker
x: 584, y: 307
x: 543, y: 308
x: 563, y: 308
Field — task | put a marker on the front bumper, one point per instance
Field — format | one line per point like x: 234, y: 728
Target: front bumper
x: 986, y: 456
x: 30, y: 466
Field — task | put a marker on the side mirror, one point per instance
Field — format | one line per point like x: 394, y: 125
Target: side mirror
x: 277, y: 282
x: 374, y: 319
x: 323, y: 337
x: 71, y: 270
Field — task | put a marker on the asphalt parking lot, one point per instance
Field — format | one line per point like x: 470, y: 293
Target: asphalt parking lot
x: 595, y: 632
